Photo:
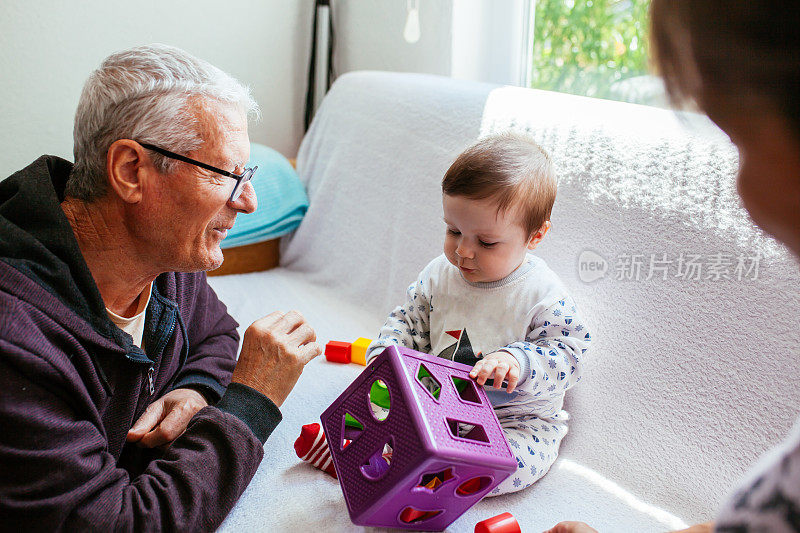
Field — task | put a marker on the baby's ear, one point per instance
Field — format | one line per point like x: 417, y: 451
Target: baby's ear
x: 537, y: 237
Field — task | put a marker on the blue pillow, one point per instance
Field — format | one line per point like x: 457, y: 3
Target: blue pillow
x: 282, y: 200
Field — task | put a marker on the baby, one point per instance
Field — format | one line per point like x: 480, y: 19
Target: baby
x: 489, y: 304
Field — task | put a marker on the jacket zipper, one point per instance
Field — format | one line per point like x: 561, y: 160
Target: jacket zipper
x: 150, y: 372
x: 152, y: 369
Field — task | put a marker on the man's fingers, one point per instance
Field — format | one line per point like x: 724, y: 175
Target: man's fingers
x: 270, y: 321
x: 177, y: 409
x: 293, y: 320
x: 169, y: 429
x: 149, y: 419
x: 154, y: 438
x: 274, y: 351
x: 309, y: 351
x: 302, y: 335
x: 280, y: 323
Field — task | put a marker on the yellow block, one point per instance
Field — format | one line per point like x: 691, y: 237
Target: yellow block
x: 358, y: 351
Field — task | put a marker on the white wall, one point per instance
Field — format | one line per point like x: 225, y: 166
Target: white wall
x: 478, y: 40
x: 49, y: 47
x: 369, y: 36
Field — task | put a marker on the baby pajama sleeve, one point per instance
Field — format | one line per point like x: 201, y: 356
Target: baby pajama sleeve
x: 408, y: 325
x: 551, y: 356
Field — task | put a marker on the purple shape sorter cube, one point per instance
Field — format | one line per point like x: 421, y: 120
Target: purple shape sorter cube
x: 433, y: 454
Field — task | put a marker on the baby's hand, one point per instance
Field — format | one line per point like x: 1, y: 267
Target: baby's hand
x: 498, y: 365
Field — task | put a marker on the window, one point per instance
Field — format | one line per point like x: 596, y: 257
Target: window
x: 594, y: 48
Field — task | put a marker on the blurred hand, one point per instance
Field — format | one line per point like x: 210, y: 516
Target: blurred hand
x: 580, y: 527
x: 707, y: 527
x: 275, y: 350
x: 166, y: 419
x: 571, y: 527
x: 499, y: 366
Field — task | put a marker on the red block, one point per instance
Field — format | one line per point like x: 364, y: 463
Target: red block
x: 337, y: 351
x: 502, y: 523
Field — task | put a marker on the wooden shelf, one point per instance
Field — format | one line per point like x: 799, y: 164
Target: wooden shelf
x: 249, y: 258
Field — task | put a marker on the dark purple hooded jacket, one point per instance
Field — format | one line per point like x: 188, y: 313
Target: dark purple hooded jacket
x: 72, y: 384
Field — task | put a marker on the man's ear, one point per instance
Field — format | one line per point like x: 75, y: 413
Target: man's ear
x: 127, y: 165
x: 537, y: 237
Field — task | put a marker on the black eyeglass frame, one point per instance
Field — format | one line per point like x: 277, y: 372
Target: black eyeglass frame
x: 241, y: 179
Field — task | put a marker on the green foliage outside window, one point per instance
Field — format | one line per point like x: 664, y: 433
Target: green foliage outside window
x: 591, y: 47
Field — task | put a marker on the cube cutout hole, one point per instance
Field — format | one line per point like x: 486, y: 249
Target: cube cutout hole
x: 466, y: 390
x: 379, y: 400
x: 433, y: 481
x: 473, y: 486
x: 409, y: 515
x: 467, y: 431
x: 377, y: 464
x: 351, y: 429
x: 428, y: 382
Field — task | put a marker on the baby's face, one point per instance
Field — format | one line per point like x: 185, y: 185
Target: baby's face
x: 484, y: 244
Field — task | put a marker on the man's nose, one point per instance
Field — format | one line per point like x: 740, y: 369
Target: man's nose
x: 247, y: 201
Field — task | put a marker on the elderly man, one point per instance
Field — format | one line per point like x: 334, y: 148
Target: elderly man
x: 123, y: 406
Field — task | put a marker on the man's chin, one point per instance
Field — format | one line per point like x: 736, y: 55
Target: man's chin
x: 214, y: 260
x: 211, y: 260
x: 213, y: 266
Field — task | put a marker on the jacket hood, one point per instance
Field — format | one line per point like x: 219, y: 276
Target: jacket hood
x: 37, y: 240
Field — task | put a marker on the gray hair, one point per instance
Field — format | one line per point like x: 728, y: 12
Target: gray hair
x: 142, y: 93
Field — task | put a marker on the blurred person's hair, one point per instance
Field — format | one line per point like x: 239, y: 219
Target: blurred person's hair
x: 731, y: 51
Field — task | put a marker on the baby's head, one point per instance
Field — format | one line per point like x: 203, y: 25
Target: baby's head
x: 497, y: 198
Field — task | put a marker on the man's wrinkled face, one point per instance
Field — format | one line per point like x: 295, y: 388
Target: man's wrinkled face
x: 188, y: 211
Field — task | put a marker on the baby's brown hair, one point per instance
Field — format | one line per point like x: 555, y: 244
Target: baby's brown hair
x: 510, y: 168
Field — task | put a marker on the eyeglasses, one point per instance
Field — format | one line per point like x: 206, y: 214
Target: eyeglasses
x: 241, y: 179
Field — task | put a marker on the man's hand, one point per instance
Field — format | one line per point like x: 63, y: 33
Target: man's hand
x: 274, y: 351
x: 498, y: 365
x: 166, y: 419
x: 571, y: 527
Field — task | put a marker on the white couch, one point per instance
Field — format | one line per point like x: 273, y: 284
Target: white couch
x: 688, y: 381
